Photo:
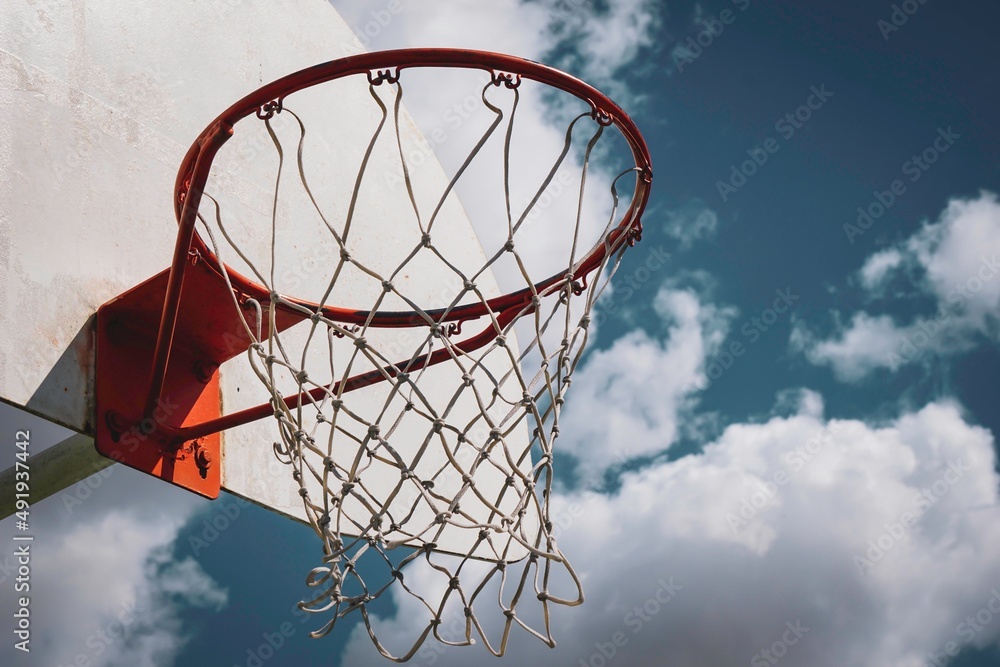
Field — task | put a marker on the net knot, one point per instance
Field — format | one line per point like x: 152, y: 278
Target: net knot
x: 373, y: 431
x: 501, y: 340
x: 494, y: 434
x: 438, y: 425
x: 328, y: 463
x: 585, y: 321
x: 467, y: 379
x: 442, y: 517
x: 360, y: 343
x: 470, y: 286
x: 387, y: 285
x: 303, y: 492
x: 467, y: 479
x: 344, y: 255
x: 425, y: 240
x: 302, y: 377
x: 453, y: 583
x: 509, y: 245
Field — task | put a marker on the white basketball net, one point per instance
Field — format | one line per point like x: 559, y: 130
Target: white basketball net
x: 377, y: 506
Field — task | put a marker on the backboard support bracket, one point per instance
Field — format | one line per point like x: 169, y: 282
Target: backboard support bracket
x: 207, y: 334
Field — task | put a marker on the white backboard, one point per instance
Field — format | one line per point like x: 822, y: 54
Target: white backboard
x: 101, y: 100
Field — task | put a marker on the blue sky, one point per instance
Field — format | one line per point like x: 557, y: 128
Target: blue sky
x: 859, y: 409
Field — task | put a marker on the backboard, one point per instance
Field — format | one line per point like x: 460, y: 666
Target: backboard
x: 101, y: 102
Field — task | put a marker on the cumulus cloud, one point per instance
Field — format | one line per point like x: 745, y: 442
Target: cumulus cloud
x: 595, y: 39
x: 690, y: 223
x: 865, y: 344
x: 121, y: 595
x: 956, y: 267
x: 867, y: 540
x: 878, y: 266
x: 607, y: 421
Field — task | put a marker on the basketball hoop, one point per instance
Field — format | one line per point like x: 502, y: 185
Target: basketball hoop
x: 490, y: 488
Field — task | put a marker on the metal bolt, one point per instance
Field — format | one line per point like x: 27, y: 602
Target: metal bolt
x: 202, y: 459
x: 204, y: 370
x: 115, y: 422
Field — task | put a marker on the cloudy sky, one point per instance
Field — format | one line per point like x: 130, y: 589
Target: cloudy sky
x: 781, y: 446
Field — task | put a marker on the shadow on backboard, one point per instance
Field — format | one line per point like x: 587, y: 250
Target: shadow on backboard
x: 65, y: 395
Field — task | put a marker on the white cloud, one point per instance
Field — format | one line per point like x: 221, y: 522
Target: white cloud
x: 878, y: 266
x: 959, y: 254
x: 691, y: 223
x: 601, y: 38
x: 794, y: 560
x: 607, y: 420
x: 866, y: 344
x: 958, y: 266
x: 507, y: 26
x: 605, y: 39
x: 120, y: 596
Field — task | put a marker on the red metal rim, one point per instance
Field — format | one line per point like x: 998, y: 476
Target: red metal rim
x: 387, y: 66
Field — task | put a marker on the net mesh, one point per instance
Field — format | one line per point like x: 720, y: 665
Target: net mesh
x: 447, y: 461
